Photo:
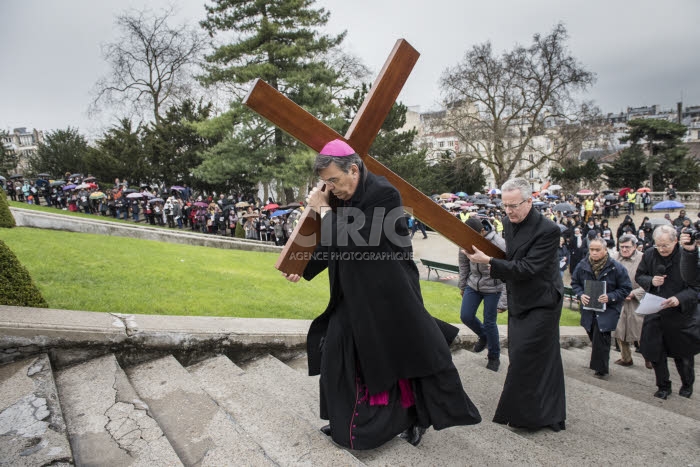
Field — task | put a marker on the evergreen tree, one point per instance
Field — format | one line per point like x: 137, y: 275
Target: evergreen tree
x: 8, y: 158
x: 628, y: 170
x: 61, y: 151
x: 278, y: 41
x: 667, y: 159
x: 16, y: 285
x: 173, y: 145
x: 120, y: 154
x: 7, y: 220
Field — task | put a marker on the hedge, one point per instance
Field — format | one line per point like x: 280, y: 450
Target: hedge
x: 16, y: 285
x: 6, y: 218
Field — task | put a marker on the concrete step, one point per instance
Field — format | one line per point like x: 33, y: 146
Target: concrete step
x: 201, y: 433
x: 286, y: 438
x: 603, y: 427
x: 32, y: 429
x: 636, y: 382
x: 108, y: 424
x: 300, y: 392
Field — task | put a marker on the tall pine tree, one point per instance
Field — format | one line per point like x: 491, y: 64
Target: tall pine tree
x: 280, y: 42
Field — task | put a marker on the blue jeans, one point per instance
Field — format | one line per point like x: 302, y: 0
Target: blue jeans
x: 489, y: 329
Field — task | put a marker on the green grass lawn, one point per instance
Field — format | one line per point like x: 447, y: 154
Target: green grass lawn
x: 114, y: 274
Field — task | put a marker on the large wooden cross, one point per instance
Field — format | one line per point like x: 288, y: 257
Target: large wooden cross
x: 303, y: 126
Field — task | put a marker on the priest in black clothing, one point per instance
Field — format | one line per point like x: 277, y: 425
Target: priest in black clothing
x: 385, y: 363
x: 533, y: 394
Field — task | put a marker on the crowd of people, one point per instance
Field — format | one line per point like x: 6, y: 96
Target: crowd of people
x: 174, y: 207
x: 628, y: 263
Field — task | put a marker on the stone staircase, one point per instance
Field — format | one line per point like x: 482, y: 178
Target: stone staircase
x: 216, y: 412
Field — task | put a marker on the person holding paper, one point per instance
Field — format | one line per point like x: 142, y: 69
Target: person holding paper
x: 629, y: 326
x: 659, y: 273
x: 600, y: 272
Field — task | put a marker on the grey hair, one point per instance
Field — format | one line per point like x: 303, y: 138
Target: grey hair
x: 627, y: 238
x: 520, y: 184
x: 602, y: 242
x: 343, y: 163
x: 665, y: 230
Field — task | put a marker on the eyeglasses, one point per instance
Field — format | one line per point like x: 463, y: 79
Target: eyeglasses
x: 664, y: 247
x: 512, y: 206
x: 626, y: 247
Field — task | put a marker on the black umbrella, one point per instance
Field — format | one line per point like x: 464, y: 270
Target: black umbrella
x: 608, y: 191
x: 481, y: 201
x: 128, y: 190
x: 16, y: 176
x: 76, y: 175
x: 43, y: 175
x: 89, y: 179
x: 610, y: 197
x: 564, y: 207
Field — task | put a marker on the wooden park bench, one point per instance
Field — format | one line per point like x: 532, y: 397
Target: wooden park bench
x: 437, y: 266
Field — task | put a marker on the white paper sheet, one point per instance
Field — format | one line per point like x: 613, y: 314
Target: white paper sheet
x: 650, y: 304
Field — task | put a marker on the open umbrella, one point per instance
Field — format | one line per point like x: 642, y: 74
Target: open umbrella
x: 134, y: 195
x: 644, y: 189
x: 564, y: 207
x: 611, y: 197
x: 461, y: 194
x: 270, y: 207
x: 97, y: 195
x: 562, y: 227
x: 552, y: 197
x: 624, y: 191
x: 128, y: 190
x: 16, y: 176
x: 242, y: 204
x: 41, y: 182
x: 58, y: 182
x: 76, y: 175
x: 155, y: 200
x: 280, y: 212
x: 201, y: 204
x: 43, y: 175
x: 584, y: 192
x: 446, y: 196
x: 92, y: 185
x: 89, y: 179
x: 147, y: 194
x: 555, y: 187
x: 668, y: 204
x: 177, y: 188
x: 608, y: 191
x: 81, y: 186
x: 494, y: 191
x: 69, y: 187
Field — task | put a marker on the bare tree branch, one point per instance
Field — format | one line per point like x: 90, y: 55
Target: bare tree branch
x: 152, y: 64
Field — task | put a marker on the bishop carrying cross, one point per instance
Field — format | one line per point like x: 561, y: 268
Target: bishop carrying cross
x: 385, y: 363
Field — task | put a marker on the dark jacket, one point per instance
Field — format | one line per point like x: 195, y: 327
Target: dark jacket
x: 662, y: 332
x: 618, y: 286
x: 531, y: 267
x: 394, y: 335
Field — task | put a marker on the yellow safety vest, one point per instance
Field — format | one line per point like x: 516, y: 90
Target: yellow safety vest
x: 588, y: 205
x: 631, y: 197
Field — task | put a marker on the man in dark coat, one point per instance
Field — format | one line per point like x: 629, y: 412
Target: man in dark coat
x: 533, y: 394
x: 600, y: 324
x: 385, y: 363
x: 665, y: 333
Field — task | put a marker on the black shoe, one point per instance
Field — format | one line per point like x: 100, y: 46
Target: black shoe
x: 413, y: 435
x: 685, y: 391
x: 493, y: 364
x: 663, y: 393
x: 326, y: 430
x: 480, y: 345
x: 600, y: 375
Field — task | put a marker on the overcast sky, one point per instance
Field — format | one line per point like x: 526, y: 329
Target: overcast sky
x: 643, y: 52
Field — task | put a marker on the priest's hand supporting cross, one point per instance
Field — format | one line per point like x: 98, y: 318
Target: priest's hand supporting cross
x: 303, y: 126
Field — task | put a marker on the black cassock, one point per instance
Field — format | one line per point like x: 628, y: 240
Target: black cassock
x: 375, y: 335
x: 533, y: 394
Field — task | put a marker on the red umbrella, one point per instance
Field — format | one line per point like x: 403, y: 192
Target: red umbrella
x: 644, y: 189
x: 624, y: 191
x: 584, y: 192
x: 270, y: 207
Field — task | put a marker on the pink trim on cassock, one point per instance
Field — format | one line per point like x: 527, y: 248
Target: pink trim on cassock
x: 407, y: 399
x: 406, y: 391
